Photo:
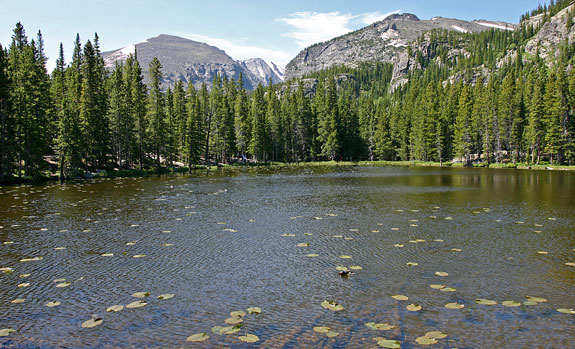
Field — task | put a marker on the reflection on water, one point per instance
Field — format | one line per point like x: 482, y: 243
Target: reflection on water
x: 216, y: 243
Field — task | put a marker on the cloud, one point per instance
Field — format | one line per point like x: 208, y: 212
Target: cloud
x: 238, y: 51
x: 372, y: 17
x: 314, y: 27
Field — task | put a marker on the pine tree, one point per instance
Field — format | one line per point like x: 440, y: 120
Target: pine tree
x: 137, y: 109
x: 156, y: 113
x: 259, y: 144
x: 119, y: 117
x: 6, y: 125
x: 535, y: 132
x: 463, y: 123
x: 328, y: 124
x: 194, y: 137
x: 242, y: 121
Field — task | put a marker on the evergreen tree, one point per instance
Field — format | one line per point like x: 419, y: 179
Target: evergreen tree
x: 137, y: 109
x: 156, y: 113
x: 194, y: 128
x: 242, y: 121
x: 328, y: 125
x: 6, y: 125
x: 463, y: 123
x: 259, y: 144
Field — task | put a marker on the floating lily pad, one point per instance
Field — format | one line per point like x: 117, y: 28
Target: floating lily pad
x: 312, y: 255
x: 107, y: 255
x: 60, y: 248
x: 5, y: 332
x: 217, y: 329
x: 230, y: 329
x: 303, y: 244
x: 64, y: 284
x: 412, y: 264
x: 530, y: 303
x: 234, y: 320
x: 400, y: 297
x: 249, y: 338
x: 238, y: 313
x: 24, y: 275
x: 141, y: 294
x: 424, y: 340
x: 321, y: 329
x: 485, y: 301
x: 345, y: 257
x: 437, y: 287
x: 389, y: 343
x: 398, y: 245
x: 511, y: 304
x: 570, y: 264
x: 332, y: 305
x: 31, y: 259
x: 92, y: 322
x: 341, y: 268
x: 167, y: 245
x: 355, y: 267
x: 566, y: 311
x: 456, y: 249
x: 414, y: 307
x: 18, y: 301
x: 542, y: 252
x: 53, y: 304
x: 448, y: 289
x: 435, y: 335
x: 198, y: 337
x: 379, y: 327
x: 454, y: 306
x: 140, y: 256
x: 115, y: 308
x: 166, y: 296
x: 441, y: 273
x: 130, y: 243
x: 136, y: 304
x: 536, y: 299
x: 24, y: 284
x: 332, y: 334
x: 60, y: 280
x: 254, y: 310
x: 7, y: 270
x: 308, y: 234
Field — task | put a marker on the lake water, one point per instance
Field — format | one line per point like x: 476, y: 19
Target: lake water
x: 217, y: 243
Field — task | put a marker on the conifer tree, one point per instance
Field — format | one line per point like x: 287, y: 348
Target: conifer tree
x: 6, y: 125
x: 137, y: 109
x: 259, y: 143
x: 463, y: 123
x: 156, y: 113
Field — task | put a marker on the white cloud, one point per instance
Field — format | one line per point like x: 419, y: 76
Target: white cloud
x: 372, y: 17
x: 314, y: 27
x: 241, y: 52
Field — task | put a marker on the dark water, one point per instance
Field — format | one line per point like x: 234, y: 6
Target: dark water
x: 500, y: 220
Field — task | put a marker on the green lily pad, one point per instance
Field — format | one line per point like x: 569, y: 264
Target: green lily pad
x: 92, y: 322
x: 303, y: 244
x: 379, y: 327
x: 332, y: 305
x: 566, y: 311
x: 345, y: 257
x: 217, y: 329
x: 321, y: 329
x: 53, y: 304
x: 400, y: 297
x: 115, y: 308
x: 141, y: 294
x: 166, y: 296
x: 355, y: 267
x: 485, y: 301
x: 312, y: 255
x: 230, y: 329
x: 288, y: 235
x: 398, y: 245
x: 448, y: 289
x: 414, y: 307
x: 31, y: 259
x: 570, y: 264
x: 63, y: 284
x: 198, y: 337
x: 542, y: 252
x: 389, y: 343
x: 249, y: 338
x: 234, y: 320
x: 18, y: 301
x: 341, y: 268
x: 7, y: 270
x: 536, y: 299
x: 107, y: 255
x: 530, y: 303
x: 437, y: 287
x: 441, y: 273
x: 5, y: 332
x: 136, y: 304
x: 139, y: 256
x: 24, y: 284
x: 511, y: 304
x: 435, y: 335
x: 412, y: 264
x: 238, y: 313
x: 454, y: 305
x: 332, y: 334
x: 254, y: 310
x: 424, y: 340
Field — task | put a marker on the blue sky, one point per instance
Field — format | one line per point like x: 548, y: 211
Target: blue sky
x: 273, y: 30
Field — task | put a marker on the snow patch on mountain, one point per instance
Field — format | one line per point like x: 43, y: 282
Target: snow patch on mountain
x: 493, y: 25
x: 459, y: 29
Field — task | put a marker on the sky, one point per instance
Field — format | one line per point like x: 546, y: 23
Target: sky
x: 273, y: 30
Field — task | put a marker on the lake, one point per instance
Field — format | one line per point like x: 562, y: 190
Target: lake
x: 235, y: 239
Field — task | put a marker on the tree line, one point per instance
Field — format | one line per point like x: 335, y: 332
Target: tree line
x: 83, y: 117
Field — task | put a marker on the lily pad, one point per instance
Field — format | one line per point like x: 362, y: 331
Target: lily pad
x: 542, y: 252
x: 345, y: 257
x: 234, y: 320
x: 115, y: 308
x: 230, y: 329
x: 355, y: 267
x: 321, y: 329
x: 303, y: 244
x: 136, y: 304
x: 198, y: 337
x: 18, y: 301
x: 424, y: 340
x: 63, y: 284
x: 379, y: 327
x: 530, y: 303
x: 398, y: 245
x: 414, y: 307
x: 441, y: 273
x: 166, y: 296
x: 448, y: 289
x: 332, y: 305
x: 31, y: 259
x: 53, y: 304
x: 341, y: 268
x: 511, y: 304
x: 332, y: 334
x: 7, y: 270
x: 454, y: 305
x: 485, y: 301
x: 238, y: 313
x: 570, y: 264
x: 249, y: 338
x: 412, y: 264
x: 92, y: 322
x: 141, y: 294
x: 254, y: 310
x: 107, y: 255
x: 400, y: 297
x: 139, y: 256
x: 24, y: 284
x: 536, y: 299
x: 5, y: 332
x: 288, y: 235
x: 389, y: 343
x: 435, y: 335
x: 313, y: 255
x: 566, y: 311
x: 437, y: 287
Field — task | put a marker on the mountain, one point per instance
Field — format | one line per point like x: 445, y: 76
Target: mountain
x: 194, y: 62
x: 383, y: 41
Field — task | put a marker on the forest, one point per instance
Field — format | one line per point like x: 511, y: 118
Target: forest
x: 489, y: 104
